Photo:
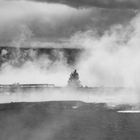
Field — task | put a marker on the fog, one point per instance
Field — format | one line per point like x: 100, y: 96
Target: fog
x: 110, y: 97
x: 108, y: 60
x: 42, y: 43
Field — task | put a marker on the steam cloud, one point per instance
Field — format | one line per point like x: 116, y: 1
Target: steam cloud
x: 113, y: 58
x: 49, y: 26
x: 110, y: 59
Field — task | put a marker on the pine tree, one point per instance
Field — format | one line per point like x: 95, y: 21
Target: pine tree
x: 74, y: 80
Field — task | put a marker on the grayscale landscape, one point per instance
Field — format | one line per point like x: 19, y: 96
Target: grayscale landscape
x: 69, y: 70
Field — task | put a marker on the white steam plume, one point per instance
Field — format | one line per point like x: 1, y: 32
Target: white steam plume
x: 111, y: 61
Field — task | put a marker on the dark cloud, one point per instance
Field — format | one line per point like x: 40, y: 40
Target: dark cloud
x: 121, y: 4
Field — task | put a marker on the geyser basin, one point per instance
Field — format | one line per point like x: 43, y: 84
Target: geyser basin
x: 62, y: 121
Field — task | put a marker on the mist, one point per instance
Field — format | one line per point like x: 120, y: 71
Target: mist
x: 113, y: 59
x: 107, y: 60
x: 43, y: 42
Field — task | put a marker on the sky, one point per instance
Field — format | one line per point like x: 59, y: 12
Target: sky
x: 55, y: 22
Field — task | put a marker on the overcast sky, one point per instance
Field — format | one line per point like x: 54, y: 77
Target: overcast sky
x: 58, y: 20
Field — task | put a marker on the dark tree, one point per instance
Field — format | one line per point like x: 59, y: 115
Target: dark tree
x: 74, y: 79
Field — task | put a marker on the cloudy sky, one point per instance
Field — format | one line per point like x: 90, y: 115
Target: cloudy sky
x: 49, y: 21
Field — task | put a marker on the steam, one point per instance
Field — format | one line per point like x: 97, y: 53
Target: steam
x: 23, y: 37
x: 40, y: 19
x: 110, y: 60
x: 98, y: 95
x: 113, y: 59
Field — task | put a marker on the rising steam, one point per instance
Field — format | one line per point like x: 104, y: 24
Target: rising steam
x: 110, y: 60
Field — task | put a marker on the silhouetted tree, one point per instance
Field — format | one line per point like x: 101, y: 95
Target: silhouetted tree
x: 74, y: 79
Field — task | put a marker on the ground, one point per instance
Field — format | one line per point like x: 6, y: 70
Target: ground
x: 69, y: 120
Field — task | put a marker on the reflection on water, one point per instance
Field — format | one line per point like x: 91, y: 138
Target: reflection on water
x: 129, y: 111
